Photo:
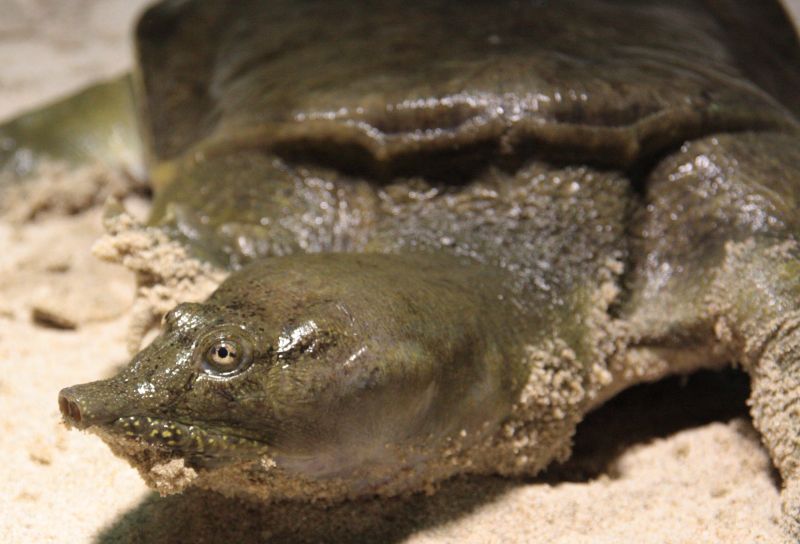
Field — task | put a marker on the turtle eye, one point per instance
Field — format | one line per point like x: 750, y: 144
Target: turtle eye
x: 225, y: 355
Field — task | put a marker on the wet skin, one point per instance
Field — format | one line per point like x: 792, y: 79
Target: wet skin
x: 442, y: 261
x: 315, y: 345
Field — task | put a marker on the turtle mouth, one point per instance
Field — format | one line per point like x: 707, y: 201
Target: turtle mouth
x: 187, y: 440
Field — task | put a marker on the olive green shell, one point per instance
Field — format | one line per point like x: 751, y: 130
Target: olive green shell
x: 354, y: 85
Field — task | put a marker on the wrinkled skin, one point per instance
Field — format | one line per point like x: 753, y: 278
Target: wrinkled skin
x: 448, y: 250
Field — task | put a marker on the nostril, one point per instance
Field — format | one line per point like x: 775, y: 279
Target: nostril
x: 63, y: 405
x: 69, y: 409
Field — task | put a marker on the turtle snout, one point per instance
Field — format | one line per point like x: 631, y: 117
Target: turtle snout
x: 89, y: 404
x: 70, y: 407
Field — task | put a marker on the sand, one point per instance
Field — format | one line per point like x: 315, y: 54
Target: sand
x: 675, y: 462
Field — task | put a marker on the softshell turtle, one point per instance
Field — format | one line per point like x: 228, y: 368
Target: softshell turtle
x: 454, y: 228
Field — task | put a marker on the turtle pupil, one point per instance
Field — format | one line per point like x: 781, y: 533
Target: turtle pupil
x: 222, y: 352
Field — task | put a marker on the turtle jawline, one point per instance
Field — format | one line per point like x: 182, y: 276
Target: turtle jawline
x: 186, y: 440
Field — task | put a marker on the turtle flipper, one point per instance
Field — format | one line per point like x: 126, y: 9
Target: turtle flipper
x: 232, y: 208
x: 757, y: 298
x: 95, y: 124
x: 716, y: 279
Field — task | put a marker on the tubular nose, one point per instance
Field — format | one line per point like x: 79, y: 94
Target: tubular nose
x: 93, y: 403
x: 70, y: 408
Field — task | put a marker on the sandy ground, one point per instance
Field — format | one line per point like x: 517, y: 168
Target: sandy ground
x: 676, y: 462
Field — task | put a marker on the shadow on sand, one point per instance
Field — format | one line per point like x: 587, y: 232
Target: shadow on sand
x: 637, y: 416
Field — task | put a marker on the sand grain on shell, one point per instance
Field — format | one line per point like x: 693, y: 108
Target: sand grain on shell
x: 701, y: 483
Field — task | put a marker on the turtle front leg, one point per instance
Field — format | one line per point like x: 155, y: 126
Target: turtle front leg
x: 716, y: 279
x: 231, y: 207
x: 757, y: 298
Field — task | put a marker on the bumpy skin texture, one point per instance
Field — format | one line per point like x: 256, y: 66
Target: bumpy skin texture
x: 450, y: 244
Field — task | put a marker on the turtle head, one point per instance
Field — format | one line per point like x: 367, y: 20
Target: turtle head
x: 321, y: 361
x: 167, y: 395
